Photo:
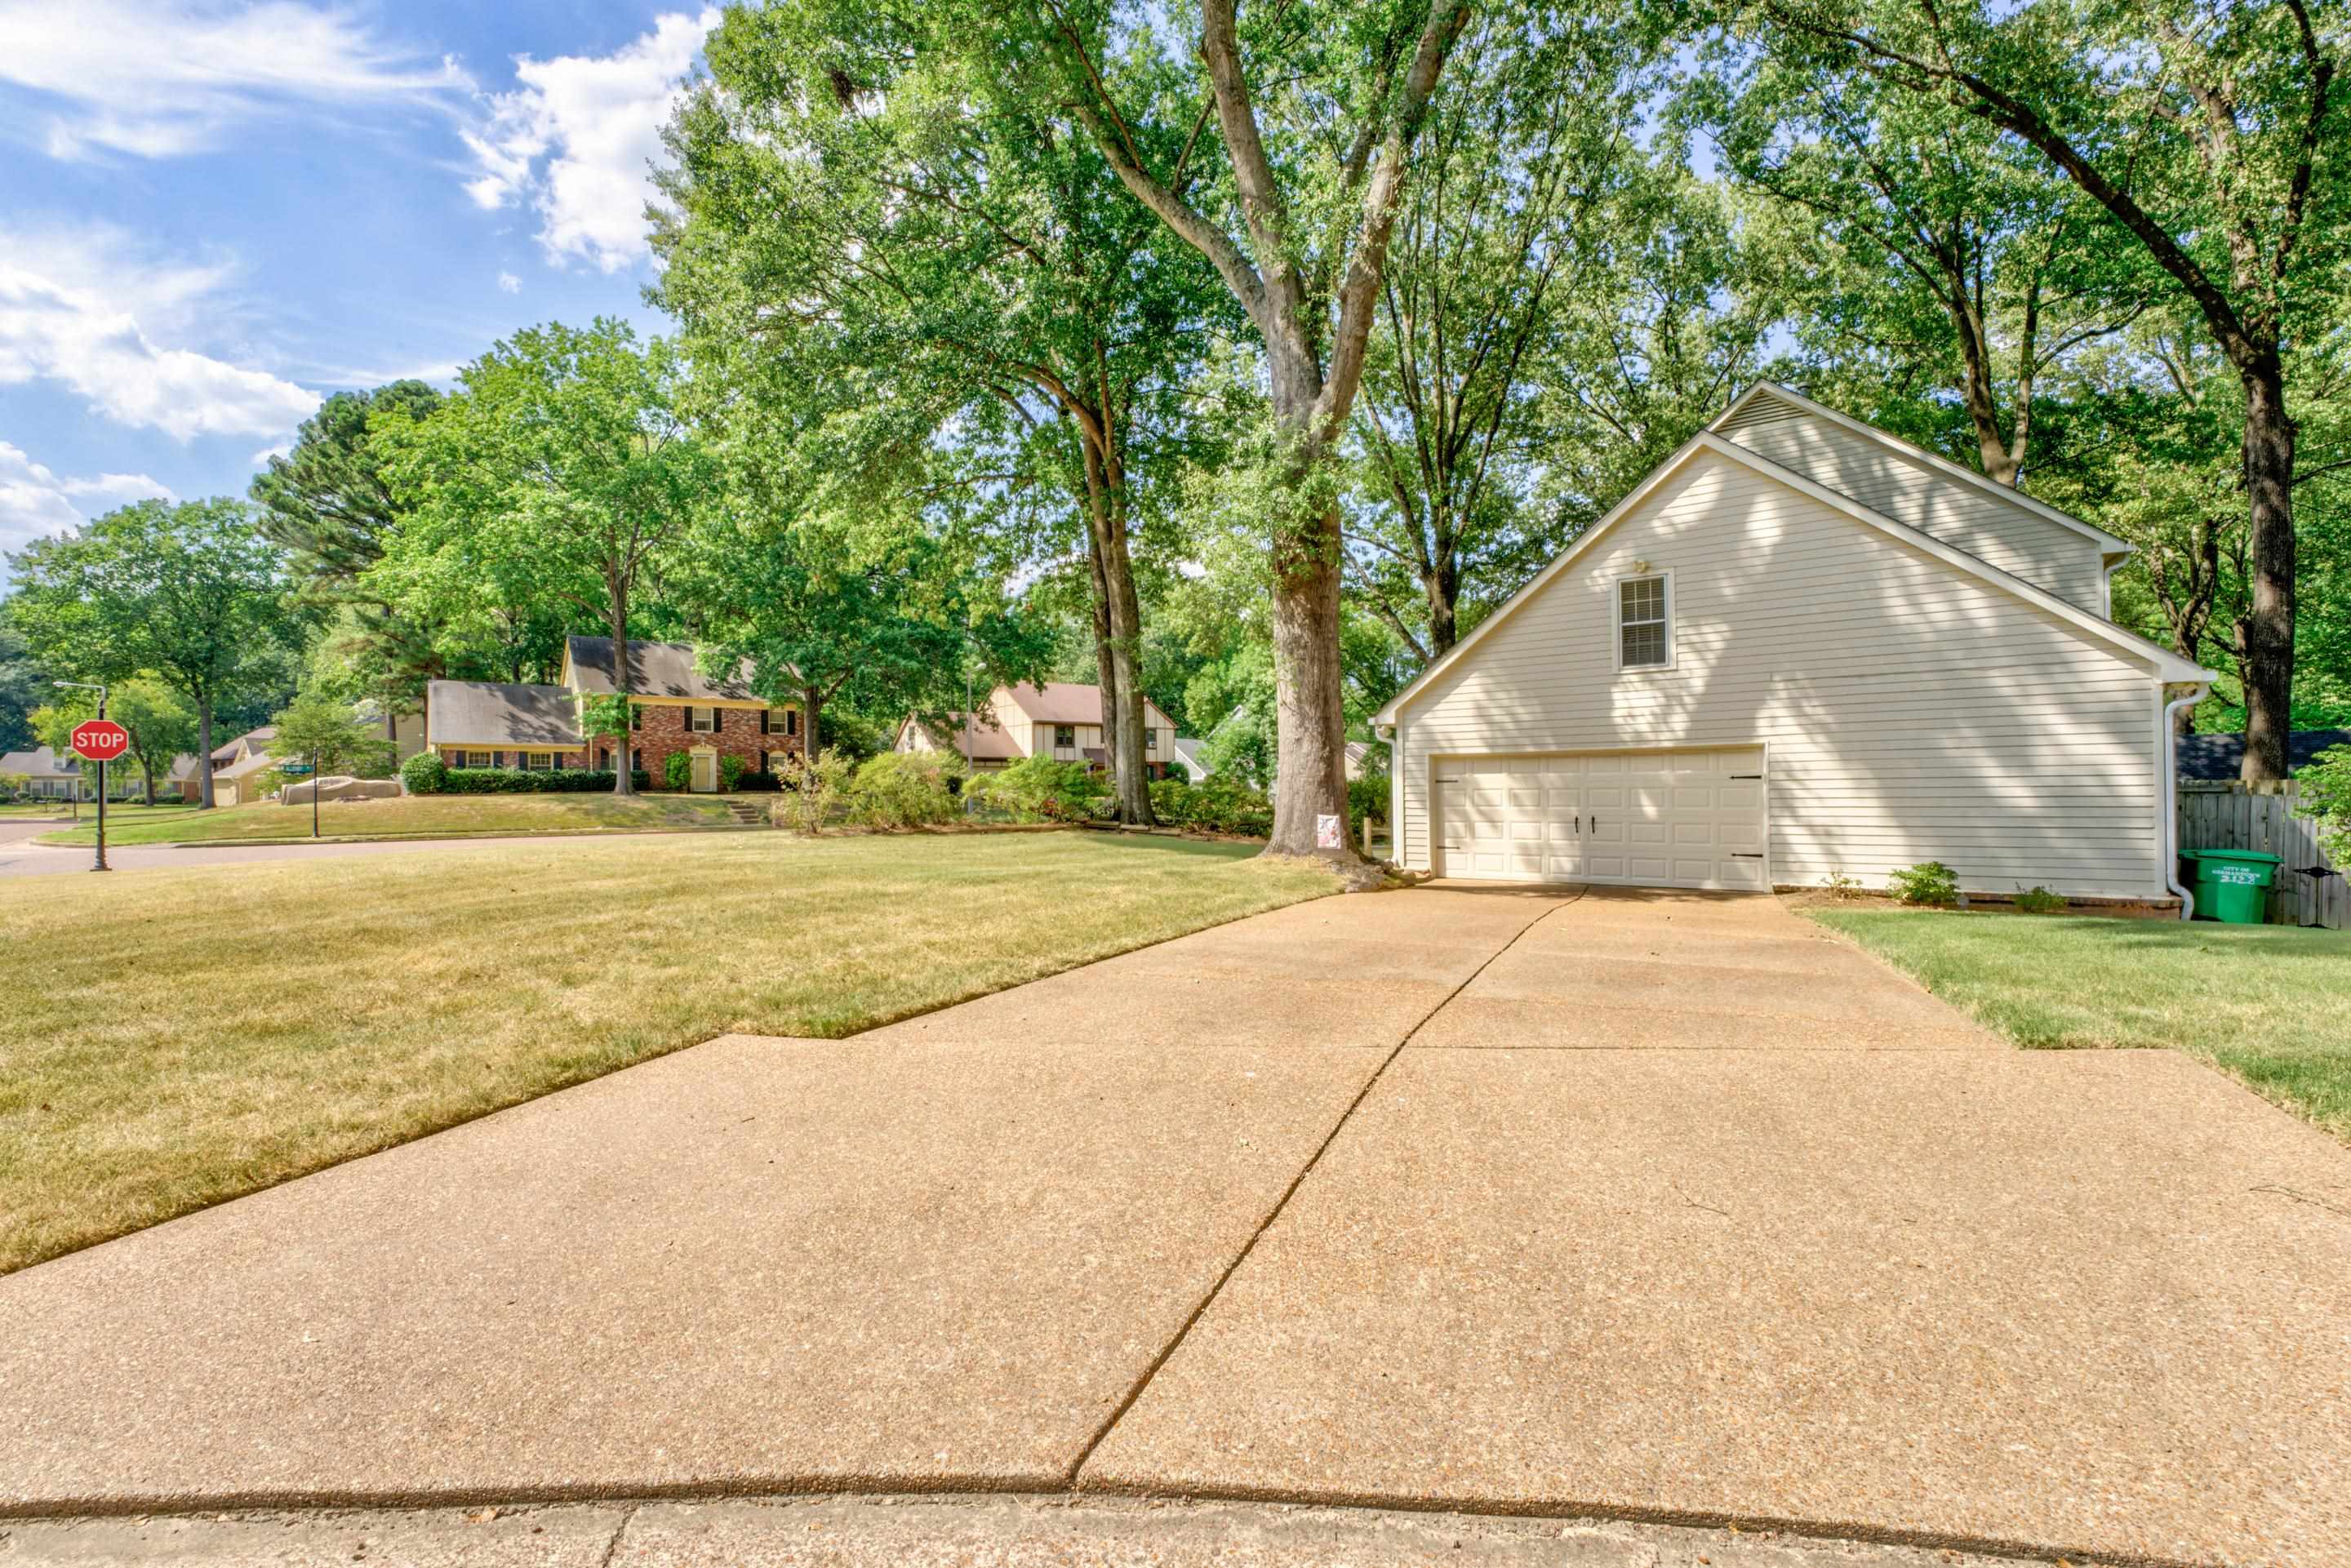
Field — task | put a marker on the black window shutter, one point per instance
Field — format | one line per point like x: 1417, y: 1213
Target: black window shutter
x: 717, y: 721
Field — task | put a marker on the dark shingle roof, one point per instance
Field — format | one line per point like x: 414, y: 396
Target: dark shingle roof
x: 656, y: 670
x: 2215, y: 758
x: 496, y: 713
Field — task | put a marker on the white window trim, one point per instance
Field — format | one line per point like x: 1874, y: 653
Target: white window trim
x: 1616, y: 623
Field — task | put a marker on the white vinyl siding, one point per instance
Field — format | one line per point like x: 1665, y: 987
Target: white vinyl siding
x: 1911, y: 713
x: 2048, y: 554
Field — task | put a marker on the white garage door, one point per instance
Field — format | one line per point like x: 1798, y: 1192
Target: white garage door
x: 1657, y: 818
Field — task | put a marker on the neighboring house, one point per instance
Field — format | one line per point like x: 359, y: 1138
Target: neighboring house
x: 49, y: 776
x: 1060, y: 719
x: 404, y: 730
x: 241, y: 768
x: 1802, y: 647
x: 673, y: 708
x: 1188, y: 758
x: 2218, y: 758
x: 1363, y: 756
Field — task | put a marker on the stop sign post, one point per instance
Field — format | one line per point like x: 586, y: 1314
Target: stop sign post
x: 100, y: 740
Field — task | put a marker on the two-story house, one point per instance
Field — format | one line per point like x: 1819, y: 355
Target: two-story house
x: 673, y: 708
x: 1803, y: 649
x: 1060, y: 719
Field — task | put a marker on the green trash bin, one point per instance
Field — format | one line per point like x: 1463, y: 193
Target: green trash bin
x: 2230, y: 885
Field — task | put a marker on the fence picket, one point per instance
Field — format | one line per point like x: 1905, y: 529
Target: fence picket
x: 2233, y: 816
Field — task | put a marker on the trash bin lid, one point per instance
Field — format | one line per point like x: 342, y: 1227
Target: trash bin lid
x: 2249, y: 857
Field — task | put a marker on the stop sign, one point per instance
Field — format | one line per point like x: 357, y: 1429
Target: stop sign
x: 101, y: 739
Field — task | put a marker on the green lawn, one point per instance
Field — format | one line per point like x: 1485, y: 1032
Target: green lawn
x: 184, y: 1036
x: 2269, y: 1003
x: 410, y: 816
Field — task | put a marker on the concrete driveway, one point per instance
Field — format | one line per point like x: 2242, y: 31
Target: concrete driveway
x: 1654, y: 1207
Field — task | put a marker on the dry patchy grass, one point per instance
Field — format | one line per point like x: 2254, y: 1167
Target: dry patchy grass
x: 412, y: 815
x: 184, y: 1036
x: 2267, y: 1003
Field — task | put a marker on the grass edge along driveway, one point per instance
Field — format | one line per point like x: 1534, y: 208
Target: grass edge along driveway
x: 2264, y: 1003
x: 186, y: 1035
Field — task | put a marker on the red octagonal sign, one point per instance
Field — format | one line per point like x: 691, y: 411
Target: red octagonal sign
x: 101, y: 739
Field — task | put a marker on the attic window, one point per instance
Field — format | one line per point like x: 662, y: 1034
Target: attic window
x: 1645, y: 632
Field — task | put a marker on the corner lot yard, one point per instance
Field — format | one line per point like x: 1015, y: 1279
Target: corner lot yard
x: 185, y: 1036
x: 414, y: 815
x: 2267, y: 1003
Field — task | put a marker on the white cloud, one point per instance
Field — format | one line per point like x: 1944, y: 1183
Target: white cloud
x: 85, y: 311
x: 157, y: 79
x: 261, y: 458
x: 35, y: 501
x: 575, y: 140
x: 509, y: 283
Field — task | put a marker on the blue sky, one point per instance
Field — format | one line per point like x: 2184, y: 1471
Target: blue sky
x: 214, y: 213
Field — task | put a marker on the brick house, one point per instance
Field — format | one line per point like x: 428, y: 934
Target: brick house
x: 673, y: 709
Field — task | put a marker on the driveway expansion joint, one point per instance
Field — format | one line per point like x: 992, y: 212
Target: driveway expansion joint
x: 1077, y: 1466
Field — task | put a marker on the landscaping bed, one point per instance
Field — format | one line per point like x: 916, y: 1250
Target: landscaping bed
x: 184, y: 1036
x: 2264, y: 1002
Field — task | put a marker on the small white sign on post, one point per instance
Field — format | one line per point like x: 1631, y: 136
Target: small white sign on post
x: 1329, y: 832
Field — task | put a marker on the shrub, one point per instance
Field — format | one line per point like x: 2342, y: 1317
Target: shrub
x: 1171, y: 800
x: 677, y: 771
x: 1217, y: 804
x: 1366, y: 797
x: 899, y: 789
x: 810, y: 785
x: 731, y: 769
x: 2325, y: 791
x: 519, y: 782
x: 2039, y: 901
x: 759, y: 782
x: 1842, y: 885
x: 1038, y: 789
x: 1928, y: 883
x: 424, y: 774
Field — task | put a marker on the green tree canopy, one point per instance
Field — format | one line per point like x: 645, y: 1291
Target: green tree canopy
x: 189, y: 591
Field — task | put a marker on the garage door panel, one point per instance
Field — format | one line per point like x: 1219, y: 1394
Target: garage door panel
x: 1692, y: 818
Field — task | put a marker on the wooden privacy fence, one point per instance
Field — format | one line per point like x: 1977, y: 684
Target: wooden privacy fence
x: 2235, y: 816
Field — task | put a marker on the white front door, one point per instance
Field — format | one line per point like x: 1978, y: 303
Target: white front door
x: 1691, y: 818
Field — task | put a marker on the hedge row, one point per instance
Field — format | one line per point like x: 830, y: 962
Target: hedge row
x: 426, y: 774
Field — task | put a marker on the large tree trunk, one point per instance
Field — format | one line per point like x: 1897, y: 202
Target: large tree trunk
x: 624, y: 780
x: 1443, y: 584
x: 1310, y: 723
x: 1118, y: 628
x: 204, y: 750
x: 812, y: 705
x: 2267, y: 634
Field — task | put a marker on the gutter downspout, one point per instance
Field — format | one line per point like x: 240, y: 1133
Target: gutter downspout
x: 2170, y: 825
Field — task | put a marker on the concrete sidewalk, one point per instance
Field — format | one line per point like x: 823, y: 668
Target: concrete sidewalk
x: 1671, y: 1208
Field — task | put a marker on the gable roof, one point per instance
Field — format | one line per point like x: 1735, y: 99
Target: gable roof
x: 253, y: 737
x: 656, y: 670
x: 989, y: 742
x: 41, y: 761
x: 2215, y: 758
x: 1063, y: 702
x: 2107, y: 542
x: 501, y: 713
x: 2169, y: 666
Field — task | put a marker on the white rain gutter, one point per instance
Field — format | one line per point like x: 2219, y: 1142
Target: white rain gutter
x: 2170, y: 830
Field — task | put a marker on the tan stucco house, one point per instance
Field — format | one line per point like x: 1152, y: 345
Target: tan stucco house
x: 673, y: 707
x: 1060, y: 719
x: 1801, y: 648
